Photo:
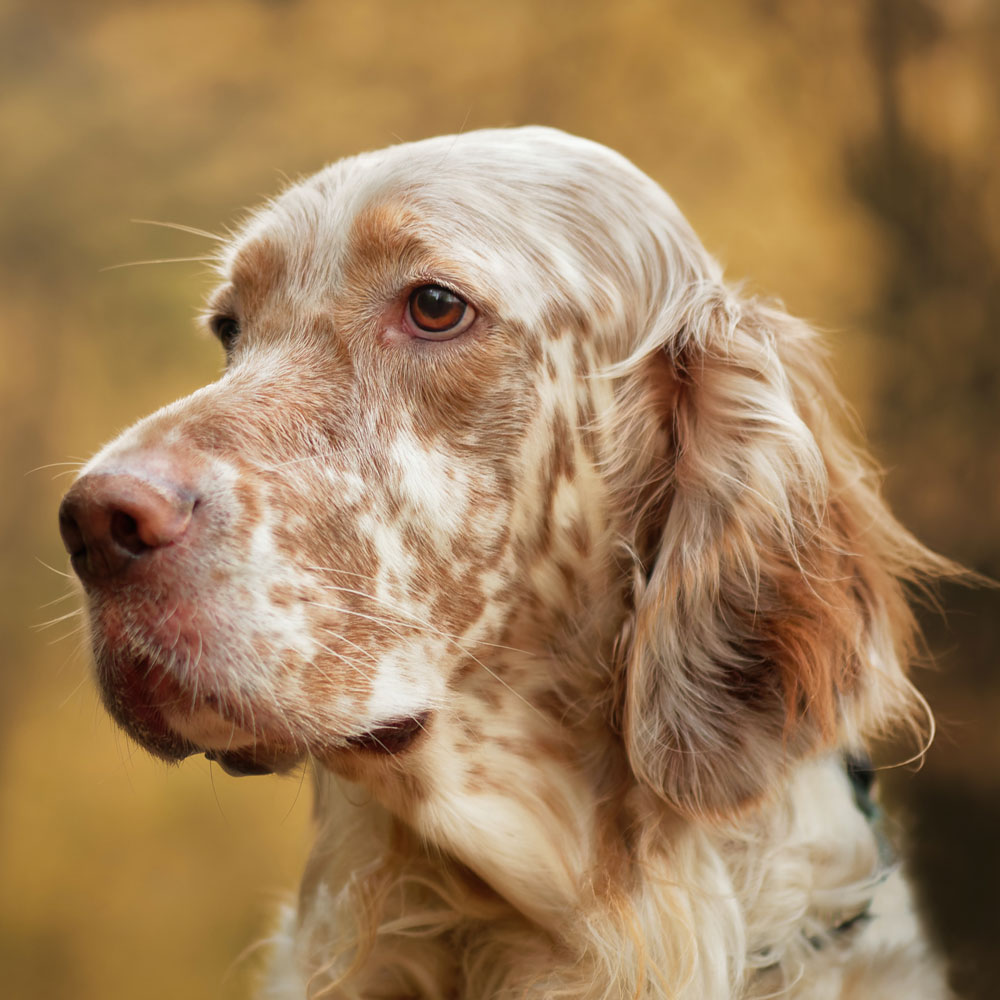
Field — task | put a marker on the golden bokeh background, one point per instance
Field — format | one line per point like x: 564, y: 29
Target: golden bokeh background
x: 841, y: 155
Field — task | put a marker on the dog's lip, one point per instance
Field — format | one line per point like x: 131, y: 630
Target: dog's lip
x: 127, y: 687
x: 392, y: 737
x: 387, y: 739
x: 254, y: 761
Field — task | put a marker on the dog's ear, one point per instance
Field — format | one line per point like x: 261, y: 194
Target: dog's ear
x: 770, y: 618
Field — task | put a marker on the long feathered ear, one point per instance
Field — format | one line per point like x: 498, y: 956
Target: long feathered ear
x: 770, y: 618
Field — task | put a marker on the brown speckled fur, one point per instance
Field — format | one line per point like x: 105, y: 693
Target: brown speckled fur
x: 608, y: 546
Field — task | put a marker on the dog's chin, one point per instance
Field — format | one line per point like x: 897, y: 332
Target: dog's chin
x: 238, y: 752
x: 173, y: 737
x: 170, y: 721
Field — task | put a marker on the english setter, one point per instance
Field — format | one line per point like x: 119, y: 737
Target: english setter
x: 508, y: 510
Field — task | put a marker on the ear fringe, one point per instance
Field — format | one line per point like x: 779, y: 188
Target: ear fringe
x: 771, y: 618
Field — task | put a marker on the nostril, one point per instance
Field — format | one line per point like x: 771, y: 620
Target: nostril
x: 107, y: 520
x: 71, y: 534
x: 125, y: 532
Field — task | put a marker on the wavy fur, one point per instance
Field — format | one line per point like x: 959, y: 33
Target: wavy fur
x: 575, y: 612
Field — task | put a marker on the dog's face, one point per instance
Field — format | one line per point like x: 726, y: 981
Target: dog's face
x: 399, y: 467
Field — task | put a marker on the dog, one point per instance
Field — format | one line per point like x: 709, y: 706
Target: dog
x: 550, y: 554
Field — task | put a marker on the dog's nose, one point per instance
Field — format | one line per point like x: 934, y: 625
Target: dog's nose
x: 109, y: 520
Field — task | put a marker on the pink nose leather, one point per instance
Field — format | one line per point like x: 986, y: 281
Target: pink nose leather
x: 109, y: 521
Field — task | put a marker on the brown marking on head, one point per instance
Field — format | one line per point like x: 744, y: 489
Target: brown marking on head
x: 385, y: 233
x: 259, y: 272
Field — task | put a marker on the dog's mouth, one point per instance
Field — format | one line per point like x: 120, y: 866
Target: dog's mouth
x: 162, y: 715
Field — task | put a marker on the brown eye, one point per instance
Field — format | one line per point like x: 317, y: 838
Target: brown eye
x: 227, y: 329
x: 437, y: 313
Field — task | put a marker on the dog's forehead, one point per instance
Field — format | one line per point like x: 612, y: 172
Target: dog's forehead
x: 508, y: 208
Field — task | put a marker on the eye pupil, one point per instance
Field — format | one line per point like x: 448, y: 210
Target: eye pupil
x: 436, y: 302
x: 436, y: 309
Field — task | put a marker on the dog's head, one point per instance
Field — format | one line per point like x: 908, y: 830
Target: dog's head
x: 490, y: 391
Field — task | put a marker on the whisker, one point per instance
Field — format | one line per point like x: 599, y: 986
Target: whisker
x: 76, y: 464
x: 181, y: 228
x: 517, y: 694
x: 73, y: 693
x: 196, y: 662
x: 71, y: 634
x: 58, y: 572
x: 298, y: 792
x: 158, y: 260
x: 57, y: 600
x: 232, y: 735
x: 293, y: 461
x: 343, y: 638
x: 340, y: 656
x: 75, y: 613
x: 344, y: 572
x: 412, y: 618
x: 386, y: 624
x: 215, y: 791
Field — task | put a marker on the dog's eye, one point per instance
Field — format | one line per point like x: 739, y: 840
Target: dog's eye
x: 227, y: 329
x: 438, y: 314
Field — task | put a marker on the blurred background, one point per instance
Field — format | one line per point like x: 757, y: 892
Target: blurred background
x: 843, y: 156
